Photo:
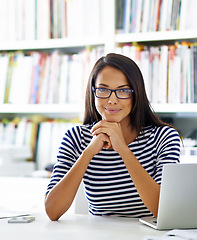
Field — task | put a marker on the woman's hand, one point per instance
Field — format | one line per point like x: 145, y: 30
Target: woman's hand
x: 114, y: 134
x: 98, y: 142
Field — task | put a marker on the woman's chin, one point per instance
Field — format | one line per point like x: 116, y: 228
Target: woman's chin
x: 110, y: 119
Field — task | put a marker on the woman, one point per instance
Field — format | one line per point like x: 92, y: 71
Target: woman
x: 120, y: 149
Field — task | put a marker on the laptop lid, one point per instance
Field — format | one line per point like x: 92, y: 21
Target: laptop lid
x: 178, y: 197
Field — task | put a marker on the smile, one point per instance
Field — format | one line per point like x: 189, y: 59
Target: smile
x: 112, y: 110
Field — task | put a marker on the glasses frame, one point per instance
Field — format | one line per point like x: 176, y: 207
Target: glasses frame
x: 111, y: 91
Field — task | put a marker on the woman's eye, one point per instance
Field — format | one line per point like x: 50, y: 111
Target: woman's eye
x: 124, y: 90
x: 103, y: 89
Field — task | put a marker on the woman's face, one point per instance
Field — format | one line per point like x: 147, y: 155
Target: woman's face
x: 113, y: 109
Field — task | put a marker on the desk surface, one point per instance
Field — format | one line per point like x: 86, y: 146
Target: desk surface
x: 77, y: 227
x: 27, y: 195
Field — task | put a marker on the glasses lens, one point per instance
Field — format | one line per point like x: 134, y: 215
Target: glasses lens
x: 102, y: 92
x: 124, y: 93
x: 120, y: 93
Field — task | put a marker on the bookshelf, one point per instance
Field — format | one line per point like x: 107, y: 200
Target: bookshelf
x: 107, y: 39
x: 39, y: 122
x: 64, y: 109
x: 179, y: 109
x: 68, y: 111
x: 67, y: 44
x: 160, y: 36
x: 154, y: 34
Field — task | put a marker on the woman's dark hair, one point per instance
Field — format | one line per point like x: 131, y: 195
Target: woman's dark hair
x: 141, y: 114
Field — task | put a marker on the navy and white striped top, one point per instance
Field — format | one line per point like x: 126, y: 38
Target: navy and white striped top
x: 108, y: 186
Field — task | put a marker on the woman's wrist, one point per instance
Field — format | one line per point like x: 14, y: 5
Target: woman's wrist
x: 88, y: 153
x: 125, y: 152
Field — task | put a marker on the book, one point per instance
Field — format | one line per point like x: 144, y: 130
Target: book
x: 127, y: 16
x: 19, y: 20
x: 63, y: 80
x: 139, y: 13
x: 119, y: 14
x: 43, y: 90
x: 163, y: 74
x: 11, y: 23
x: 4, y: 61
x: 43, y: 145
x: 90, y: 10
x: 3, y: 20
x: 53, y: 78
x: 37, y: 59
x: 145, y: 16
x: 11, y: 60
x: 42, y: 19
x: 75, y: 79
x: 49, y: 137
x: 17, y: 80
x: 27, y: 20
x: 20, y: 132
x: 194, y: 48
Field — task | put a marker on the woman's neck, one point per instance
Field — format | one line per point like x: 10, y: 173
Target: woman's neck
x: 129, y: 133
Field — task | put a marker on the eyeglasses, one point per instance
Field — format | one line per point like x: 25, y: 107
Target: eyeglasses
x: 123, y: 93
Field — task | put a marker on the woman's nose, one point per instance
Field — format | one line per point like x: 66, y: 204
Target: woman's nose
x: 113, y: 99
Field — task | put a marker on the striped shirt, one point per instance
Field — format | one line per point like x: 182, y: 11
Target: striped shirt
x: 108, y: 186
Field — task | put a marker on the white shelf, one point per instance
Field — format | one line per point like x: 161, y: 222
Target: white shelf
x: 14, y: 153
x: 175, y: 108
x: 78, y: 109
x: 51, y: 110
x: 52, y: 43
x: 40, y: 108
x: 156, y: 36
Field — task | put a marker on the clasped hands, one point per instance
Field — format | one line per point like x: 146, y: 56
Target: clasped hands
x: 107, y: 135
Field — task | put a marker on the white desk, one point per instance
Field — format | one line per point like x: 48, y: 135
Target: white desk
x: 26, y: 195
x: 76, y: 227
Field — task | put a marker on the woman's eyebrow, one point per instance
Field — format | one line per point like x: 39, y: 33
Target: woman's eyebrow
x: 126, y: 85
x: 121, y: 86
x: 103, y: 85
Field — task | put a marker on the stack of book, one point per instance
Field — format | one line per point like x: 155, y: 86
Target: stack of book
x: 43, y: 137
x: 35, y: 19
x: 41, y: 77
x: 169, y: 71
x: 155, y: 15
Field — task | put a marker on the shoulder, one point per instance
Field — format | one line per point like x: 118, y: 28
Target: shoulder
x: 166, y: 132
x: 159, y: 135
x: 79, y: 133
x: 165, y: 136
x: 80, y: 129
x: 75, y: 140
x: 161, y: 131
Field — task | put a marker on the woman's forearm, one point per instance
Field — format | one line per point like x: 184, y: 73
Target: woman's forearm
x: 147, y: 188
x: 60, y: 198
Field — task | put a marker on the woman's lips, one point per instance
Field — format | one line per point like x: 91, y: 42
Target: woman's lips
x: 112, y: 110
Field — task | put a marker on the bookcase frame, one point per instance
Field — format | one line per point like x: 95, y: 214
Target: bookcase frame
x: 109, y: 41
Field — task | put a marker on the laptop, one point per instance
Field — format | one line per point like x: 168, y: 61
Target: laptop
x: 178, y: 198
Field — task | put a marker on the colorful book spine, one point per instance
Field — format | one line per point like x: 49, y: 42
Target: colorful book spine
x: 42, y: 136
x: 169, y: 71
x: 45, y: 19
x: 46, y: 78
x: 133, y: 16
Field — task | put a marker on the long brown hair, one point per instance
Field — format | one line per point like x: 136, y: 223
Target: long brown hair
x: 141, y: 114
